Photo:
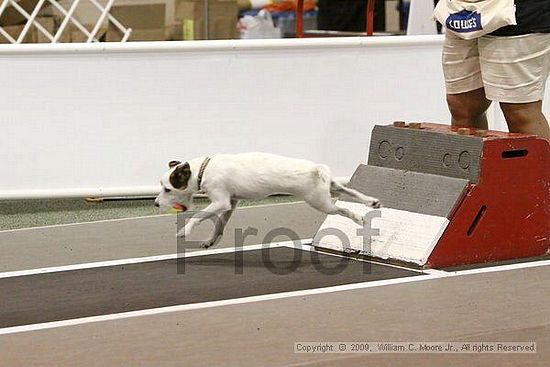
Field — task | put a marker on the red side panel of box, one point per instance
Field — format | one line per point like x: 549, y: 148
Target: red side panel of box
x: 506, y: 215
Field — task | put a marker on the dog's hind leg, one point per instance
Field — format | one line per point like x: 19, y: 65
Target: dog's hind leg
x: 367, y: 200
x: 321, y: 200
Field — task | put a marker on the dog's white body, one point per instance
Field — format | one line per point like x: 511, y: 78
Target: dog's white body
x: 230, y: 177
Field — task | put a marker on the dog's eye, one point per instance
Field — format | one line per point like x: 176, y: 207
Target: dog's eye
x: 167, y: 190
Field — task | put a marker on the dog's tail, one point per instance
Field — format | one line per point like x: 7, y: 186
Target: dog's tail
x: 337, y: 187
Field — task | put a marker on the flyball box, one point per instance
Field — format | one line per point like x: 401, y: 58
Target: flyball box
x: 450, y: 197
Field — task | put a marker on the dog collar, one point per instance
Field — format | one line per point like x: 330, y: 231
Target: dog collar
x: 201, y: 171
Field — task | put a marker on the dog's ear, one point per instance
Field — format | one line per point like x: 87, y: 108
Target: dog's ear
x: 173, y: 164
x: 180, y: 176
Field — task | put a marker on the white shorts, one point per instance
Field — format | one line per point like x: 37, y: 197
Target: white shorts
x: 511, y: 69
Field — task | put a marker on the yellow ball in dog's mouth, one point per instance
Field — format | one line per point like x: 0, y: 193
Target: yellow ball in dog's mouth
x: 177, y: 208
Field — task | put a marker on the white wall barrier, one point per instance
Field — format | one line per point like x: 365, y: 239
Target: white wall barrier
x: 104, y: 119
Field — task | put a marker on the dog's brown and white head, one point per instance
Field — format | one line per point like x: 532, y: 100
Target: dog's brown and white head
x: 175, y: 192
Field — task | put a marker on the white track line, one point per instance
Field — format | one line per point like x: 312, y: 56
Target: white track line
x: 268, y: 297
x: 197, y: 306
x: 138, y: 260
x: 492, y: 269
x: 304, y: 245
x: 434, y: 271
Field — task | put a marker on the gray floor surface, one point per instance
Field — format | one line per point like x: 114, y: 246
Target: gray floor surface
x: 511, y: 305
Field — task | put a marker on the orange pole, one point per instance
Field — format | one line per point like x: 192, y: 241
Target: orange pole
x: 300, y: 19
x: 370, y: 17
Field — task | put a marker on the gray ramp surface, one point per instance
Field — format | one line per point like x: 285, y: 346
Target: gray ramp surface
x: 406, y: 190
x: 73, y: 294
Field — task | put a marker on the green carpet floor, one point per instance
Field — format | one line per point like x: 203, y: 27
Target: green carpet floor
x: 36, y: 213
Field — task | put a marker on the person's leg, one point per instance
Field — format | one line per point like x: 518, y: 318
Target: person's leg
x: 515, y: 70
x: 468, y: 109
x: 465, y: 93
x: 526, y: 118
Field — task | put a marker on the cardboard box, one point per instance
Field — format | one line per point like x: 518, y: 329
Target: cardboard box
x: 85, y: 12
x: 14, y: 31
x: 49, y: 24
x: 148, y: 22
x: 33, y: 35
x: 190, y: 20
x: 244, y: 4
x: 114, y: 35
x: 69, y: 28
x: 72, y: 33
x: 11, y: 16
x: 77, y: 36
x: 169, y: 4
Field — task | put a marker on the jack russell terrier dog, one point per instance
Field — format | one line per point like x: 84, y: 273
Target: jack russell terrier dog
x: 228, y: 178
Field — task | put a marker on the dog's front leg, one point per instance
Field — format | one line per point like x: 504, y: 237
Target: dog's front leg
x: 215, y: 212
x: 186, y: 230
x: 220, y: 225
